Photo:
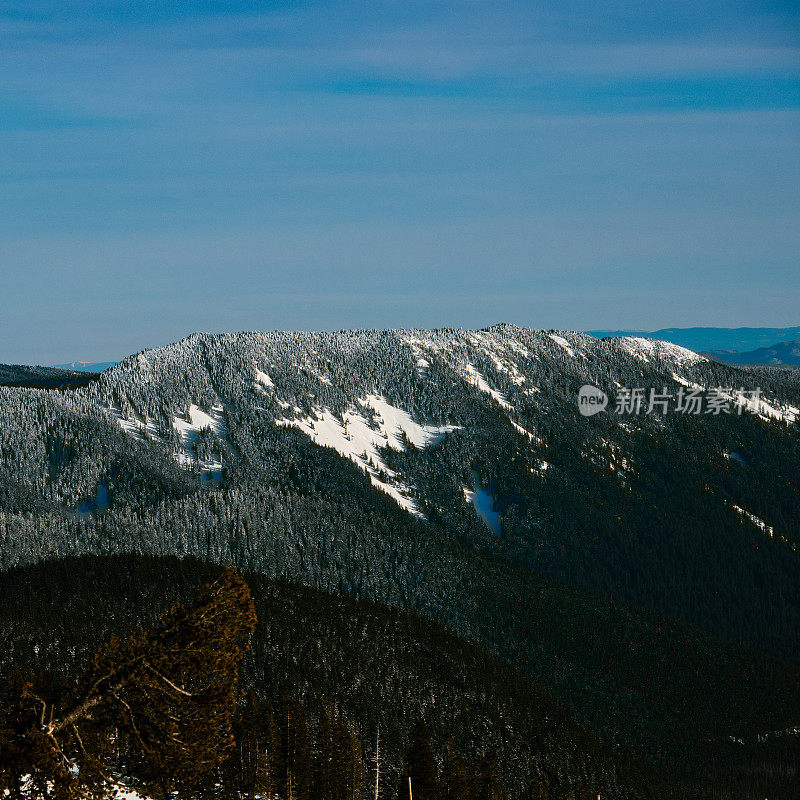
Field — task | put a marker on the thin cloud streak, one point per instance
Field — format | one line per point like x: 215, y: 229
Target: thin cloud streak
x: 159, y: 156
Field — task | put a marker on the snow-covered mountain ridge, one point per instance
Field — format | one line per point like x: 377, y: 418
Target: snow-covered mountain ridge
x: 361, y: 392
x: 474, y: 436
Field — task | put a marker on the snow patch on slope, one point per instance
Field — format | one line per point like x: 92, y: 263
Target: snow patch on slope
x: 355, y: 438
x: 476, y: 379
x: 645, y: 349
x: 531, y: 437
x: 562, y: 342
x: 687, y: 383
x: 752, y: 404
x: 264, y: 380
x: 197, y: 421
x: 139, y: 428
x: 767, y: 529
x: 416, y: 345
x: 782, y: 413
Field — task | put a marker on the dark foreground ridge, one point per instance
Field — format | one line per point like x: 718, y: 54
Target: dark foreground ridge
x: 379, y: 668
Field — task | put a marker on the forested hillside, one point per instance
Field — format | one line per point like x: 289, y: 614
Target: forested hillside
x: 640, y: 567
x: 318, y: 656
x: 43, y: 377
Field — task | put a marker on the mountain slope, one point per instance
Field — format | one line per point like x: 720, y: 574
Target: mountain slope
x: 399, y: 669
x: 781, y: 353
x: 43, y: 377
x: 349, y: 462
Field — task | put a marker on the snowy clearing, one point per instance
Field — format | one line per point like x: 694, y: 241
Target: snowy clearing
x: 264, y: 380
x: 198, y: 420
x: 139, y: 428
x: 477, y: 379
x: 561, y: 341
x: 361, y: 440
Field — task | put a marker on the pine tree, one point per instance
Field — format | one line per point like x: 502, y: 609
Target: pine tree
x: 491, y: 781
x: 327, y: 759
x: 421, y: 766
x: 169, y: 691
x: 458, y: 778
x: 296, y: 750
x: 352, y: 761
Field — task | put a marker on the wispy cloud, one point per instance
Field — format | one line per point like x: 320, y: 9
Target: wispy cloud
x: 148, y: 148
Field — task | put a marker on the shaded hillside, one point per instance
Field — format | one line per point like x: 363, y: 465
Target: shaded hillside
x: 44, y: 377
x: 383, y: 667
x: 783, y: 353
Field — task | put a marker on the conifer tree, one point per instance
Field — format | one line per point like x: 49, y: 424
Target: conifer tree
x: 296, y: 750
x: 421, y: 766
x: 327, y: 760
x: 169, y: 691
x: 458, y: 779
x: 491, y: 781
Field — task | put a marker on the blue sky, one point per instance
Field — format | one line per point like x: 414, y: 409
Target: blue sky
x: 170, y: 167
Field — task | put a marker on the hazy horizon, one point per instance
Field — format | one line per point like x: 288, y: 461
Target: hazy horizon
x: 119, y: 357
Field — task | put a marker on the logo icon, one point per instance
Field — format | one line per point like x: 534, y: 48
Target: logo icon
x: 591, y: 400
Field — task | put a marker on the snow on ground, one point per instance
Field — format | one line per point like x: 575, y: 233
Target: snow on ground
x: 681, y: 354
x: 645, y: 349
x: 765, y: 410
x: 484, y: 506
x: 754, y: 405
x: 688, y: 384
x: 120, y: 792
x: 199, y: 419
x: 310, y: 370
x: 394, y: 421
x: 518, y: 348
x: 137, y: 427
x: 531, y: 437
x: 353, y: 438
x: 476, y: 379
x: 189, y: 428
x: 264, y: 380
x: 560, y: 340
x: 361, y: 439
x: 422, y: 362
x: 735, y: 457
x: 757, y: 521
x: 638, y: 346
x: 761, y: 524
x: 507, y: 367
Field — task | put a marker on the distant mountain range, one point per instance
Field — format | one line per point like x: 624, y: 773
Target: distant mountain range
x: 784, y: 353
x: 706, y: 340
x: 43, y: 377
x: 87, y: 366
